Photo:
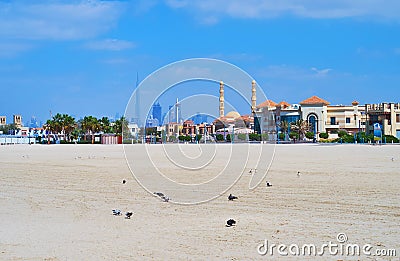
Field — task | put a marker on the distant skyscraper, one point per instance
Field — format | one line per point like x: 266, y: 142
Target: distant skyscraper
x: 171, y: 114
x: 157, y: 112
x: 178, y: 112
x: 33, y: 123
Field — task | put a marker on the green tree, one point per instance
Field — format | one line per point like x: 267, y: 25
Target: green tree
x: 301, y: 127
x: 68, y: 125
x: 9, y: 128
x: 105, y: 125
x: 90, y: 125
x: 284, y: 125
x: 121, y: 127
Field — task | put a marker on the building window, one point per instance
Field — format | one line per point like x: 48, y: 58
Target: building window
x: 333, y: 120
x: 397, y: 117
x: 347, y: 120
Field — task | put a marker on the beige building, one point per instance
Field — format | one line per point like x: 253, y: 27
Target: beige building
x: 18, y: 120
x: 387, y: 115
x: 3, y: 120
x: 324, y: 117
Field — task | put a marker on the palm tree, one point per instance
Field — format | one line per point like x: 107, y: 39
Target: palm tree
x: 69, y: 125
x: 301, y: 127
x: 90, y: 125
x: 284, y: 125
x: 105, y: 125
x: 121, y: 126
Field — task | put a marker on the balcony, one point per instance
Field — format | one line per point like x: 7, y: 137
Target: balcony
x: 332, y: 125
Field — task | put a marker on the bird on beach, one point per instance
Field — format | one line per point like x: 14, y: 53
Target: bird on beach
x: 269, y: 184
x: 123, y: 181
x: 392, y: 159
x: 232, y: 197
x: 165, y: 199
x: 116, y: 212
x: 159, y: 194
x: 230, y: 222
x: 128, y: 215
x: 298, y: 174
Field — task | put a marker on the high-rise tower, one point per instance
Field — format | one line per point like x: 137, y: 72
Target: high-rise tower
x: 253, y: 96
x: 221, y: 99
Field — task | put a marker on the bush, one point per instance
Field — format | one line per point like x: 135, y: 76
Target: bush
x: 198, y: 137
x: 254, y: 137
x: 363, y: 137
x: 228, y: 138
x: 390, y: 139
x: 324, y: 135
x: 309, y: 135
x: 171, y: 138
x: 348, y: 139
x: 281, y: 136
x: 342, y: 133
x: 219, y: 137
x: 264, y: 136
x: 242, y: 136
x: 294, y: 135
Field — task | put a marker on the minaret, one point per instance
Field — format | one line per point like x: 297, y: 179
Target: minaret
x: 221, y: 99
x: 253, y: 97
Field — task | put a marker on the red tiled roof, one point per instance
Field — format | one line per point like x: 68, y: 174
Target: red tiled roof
x: 267, y: 103
x: 314, y: 100
x: 284, y: 104
x: 354, y: 103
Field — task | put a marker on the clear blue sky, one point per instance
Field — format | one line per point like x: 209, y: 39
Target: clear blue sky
x: 82, y: 57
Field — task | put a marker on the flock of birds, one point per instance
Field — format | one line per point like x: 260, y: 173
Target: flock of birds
x: 231, y: 222
x: 117, y: 212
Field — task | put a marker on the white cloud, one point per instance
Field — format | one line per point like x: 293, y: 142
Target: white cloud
x: 381, y: 9
x: 293, y: 72
x: 321, y: 72
x: 110, y: 45
x: 57, y: 20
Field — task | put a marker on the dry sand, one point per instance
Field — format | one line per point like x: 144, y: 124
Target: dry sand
x: 56, y: 203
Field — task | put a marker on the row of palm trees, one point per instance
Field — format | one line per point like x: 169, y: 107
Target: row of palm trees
x: 301, y: 127
x: 67, y: 125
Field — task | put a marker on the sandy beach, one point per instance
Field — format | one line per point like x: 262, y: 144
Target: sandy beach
x: 56, y: 203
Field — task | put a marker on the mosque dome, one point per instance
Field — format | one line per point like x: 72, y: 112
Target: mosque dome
x: 232, y: 114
